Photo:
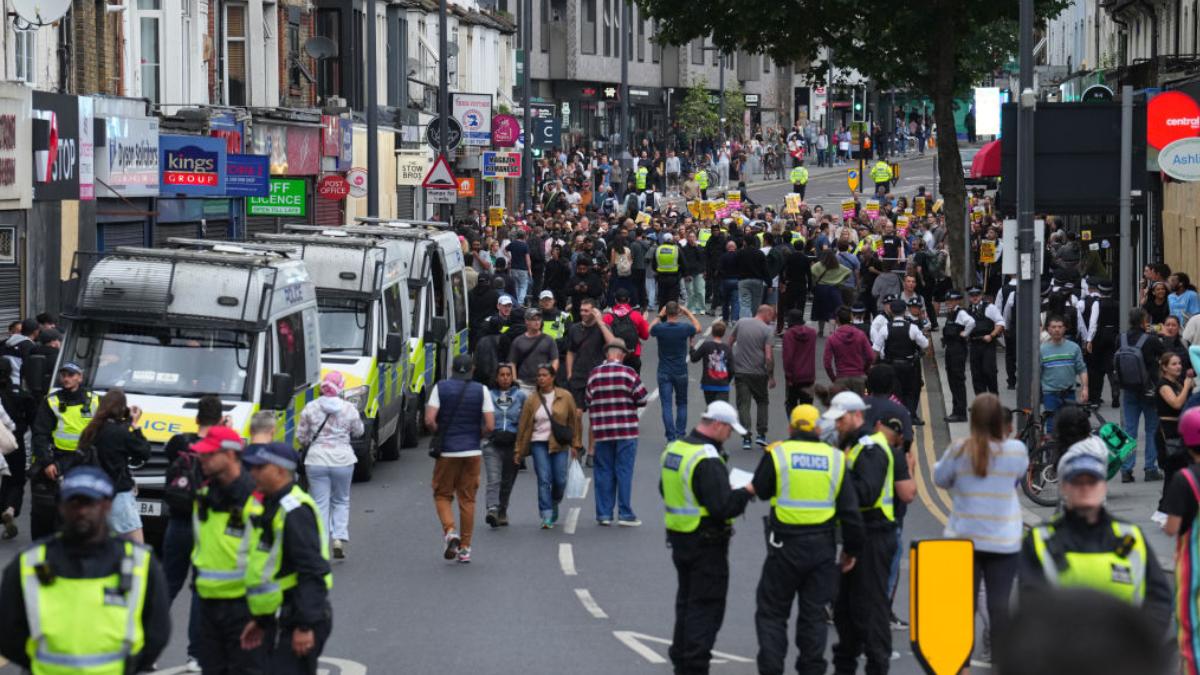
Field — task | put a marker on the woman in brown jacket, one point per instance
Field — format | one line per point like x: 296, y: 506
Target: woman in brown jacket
x: 535, y: 437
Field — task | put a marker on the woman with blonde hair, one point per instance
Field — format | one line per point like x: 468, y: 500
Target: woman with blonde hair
x: 982, y: 472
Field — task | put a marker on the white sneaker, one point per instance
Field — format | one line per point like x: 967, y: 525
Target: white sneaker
x: 1159, y: 518
x: 192, y: 666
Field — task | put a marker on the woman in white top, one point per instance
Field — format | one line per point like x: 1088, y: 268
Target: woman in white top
x: 326, y: 427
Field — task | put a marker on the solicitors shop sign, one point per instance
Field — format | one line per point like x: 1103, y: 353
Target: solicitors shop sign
x: 192, y: 165
x: 127, y: 163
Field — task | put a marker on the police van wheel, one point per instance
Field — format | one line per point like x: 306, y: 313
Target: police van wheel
x: 364, y: 470
x: 389, y: 450
x: 409, y: 432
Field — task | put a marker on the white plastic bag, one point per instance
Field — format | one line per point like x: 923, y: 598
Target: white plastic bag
x: 576, y: 481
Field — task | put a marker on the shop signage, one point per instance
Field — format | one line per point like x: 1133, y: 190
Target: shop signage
x: 128, y: 163
x: 287, y: 199
x: 441, y: 195
x: 294, y: 150
x: 226, y: 126
x: 546, y: 133
x: 466, y: 187
x: 1170, y: 116
x: 333, y: 187
x: 15, y: 172
x: 410, y: 168
x: 192, y: 165
x: 1181, y: 159
x: 505, y: 130
x: 751, y: 100
x: 501, y: 165
x: 87, y: 148
x: 433, y: 133
x: 357, y: 178
x: 331, y: 136
x: 55, y: 146
x: 474, y: 113
x: 247, y: 176
x: 346, y: 155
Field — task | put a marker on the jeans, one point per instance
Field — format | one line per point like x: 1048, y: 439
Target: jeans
x: 551, y: 470
x: 673, y: 387
x: 521, y: 279
x: 997, y: 571
x: 330, y: 489
x: 1134, y: 405
x: 613, y: 474
x: 730, y: 307
x: 1052, y: 401
x: 695, y: 292
x: 501, y: 474
x: 651, y: 292
x: 750, y: 295
x: 177, y: 562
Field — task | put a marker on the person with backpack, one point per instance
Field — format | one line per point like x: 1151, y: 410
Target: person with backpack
x: 629, y: 325
x: 18, y: 346
x: 674, y: 339
x: 1135, y: 366
x: 325, y: 428
x: 621, y: 262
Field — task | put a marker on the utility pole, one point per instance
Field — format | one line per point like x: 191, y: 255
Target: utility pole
x: 526, y: 27
x: 372, y: 116
x: 627, y: 159
x: 444, y: 93
x: 1028, y: 263
x: 1125, y: 275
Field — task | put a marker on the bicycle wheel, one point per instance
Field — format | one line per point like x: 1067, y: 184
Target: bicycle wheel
x: 1041, y: 478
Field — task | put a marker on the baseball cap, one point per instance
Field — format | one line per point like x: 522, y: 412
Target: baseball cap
x: 86, y: 481
x: 505, y: 299
x: 894, y: 423
x: 277, y: 453
x: 219, y: 438
x: 667, y: 236
x: 533, y: 313
x: 546, y: 294
x: 463, y: 364
x: 721, y: 411
x: 1074, y: 464
x: 804, y: 417
x: 71, y: 367
x: 844, y: 402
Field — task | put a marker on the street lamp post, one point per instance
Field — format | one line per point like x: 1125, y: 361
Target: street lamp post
x: 1028, y: 265
x: 443, y: 93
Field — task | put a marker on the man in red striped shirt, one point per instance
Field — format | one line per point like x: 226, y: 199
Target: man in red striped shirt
x: 614, y: 393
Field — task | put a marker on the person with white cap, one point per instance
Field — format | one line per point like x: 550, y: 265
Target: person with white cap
x: 699, y: 509
x: 879, y: 475
x: 507, y: 322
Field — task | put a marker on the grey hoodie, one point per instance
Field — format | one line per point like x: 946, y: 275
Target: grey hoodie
x: 11, y: 344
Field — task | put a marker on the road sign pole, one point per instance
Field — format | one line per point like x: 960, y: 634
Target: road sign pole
x: 527, y: 185
x: 372, y: 116
x: 444, y: 92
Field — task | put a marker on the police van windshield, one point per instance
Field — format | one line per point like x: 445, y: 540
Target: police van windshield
x: 166, y: 361
x: 343, y: 325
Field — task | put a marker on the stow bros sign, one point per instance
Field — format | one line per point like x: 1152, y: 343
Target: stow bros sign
x: 192, y: 166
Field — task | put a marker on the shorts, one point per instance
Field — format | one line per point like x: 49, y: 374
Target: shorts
x: 124, y: 517
x: 580, y: 395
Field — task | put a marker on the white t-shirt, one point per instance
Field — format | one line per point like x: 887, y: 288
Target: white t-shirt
x: 487, y: 407
x: 541, y: 421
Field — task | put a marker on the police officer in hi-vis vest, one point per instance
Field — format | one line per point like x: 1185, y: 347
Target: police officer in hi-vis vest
x: 83, y: 601
x: 699, y: 509
x: 1085, y: 546
x: 667, y: 262
x: 287, y: 576
x: 59, y: 421
x: 221, y: 532
x: 878, y: 473
x: 799, y: 178
x: 805, y: 479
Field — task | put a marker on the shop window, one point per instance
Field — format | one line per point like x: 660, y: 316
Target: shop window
x: 235, y: 54
x: 329, y: 72
x: 289, y: 346
x: 293, y: 46
x: 587, y: 28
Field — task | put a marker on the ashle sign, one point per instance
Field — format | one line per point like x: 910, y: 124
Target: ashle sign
x: 192, y: 165
x: 1181, y: 159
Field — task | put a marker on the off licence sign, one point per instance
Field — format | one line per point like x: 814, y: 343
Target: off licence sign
x: 287, y: 198
x: 501, y: 164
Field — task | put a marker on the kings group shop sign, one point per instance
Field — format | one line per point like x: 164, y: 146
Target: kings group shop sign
x: 192, y: 165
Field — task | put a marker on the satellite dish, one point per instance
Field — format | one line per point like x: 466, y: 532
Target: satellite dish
x: 320, y: 47
x: 41, y: 12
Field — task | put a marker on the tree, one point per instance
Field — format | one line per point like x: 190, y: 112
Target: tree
x: 735, y: 109
x: 938, y: 47
x: 697, y: 115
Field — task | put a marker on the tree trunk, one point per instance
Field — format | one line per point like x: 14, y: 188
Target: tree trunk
x: 953, y: 189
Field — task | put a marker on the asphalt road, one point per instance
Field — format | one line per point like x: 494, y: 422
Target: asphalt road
x: 827, y: 186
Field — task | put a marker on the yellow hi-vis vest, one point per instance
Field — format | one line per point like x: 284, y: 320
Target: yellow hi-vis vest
x: 72, y: 420
x: 808, y: 478
x: 702, y: 179
x: 556, y: 327
x: 84, y: 626
x: 797, y: 237
x: 881, y: 172
x: 666, y: 259
x: 677, y: 465
x: 703, y: 236
x: 798, y: 175
x: 642, y: 172
x: 1121, y: 572
x: 884, y: 502
x: 264, y: 586
x: 222, y: 543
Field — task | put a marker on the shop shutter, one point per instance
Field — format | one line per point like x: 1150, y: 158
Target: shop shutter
x: 329, y: 211
x: 164, y: 231
x: 406, y: 202
x: 216, y: 229
x: 255, y: 225
x: 113, y: 235
x: 10, y: 293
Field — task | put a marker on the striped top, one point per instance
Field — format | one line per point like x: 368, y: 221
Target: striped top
x: 1060, y: 364
x: 985, y: 509
x: 614, y: 393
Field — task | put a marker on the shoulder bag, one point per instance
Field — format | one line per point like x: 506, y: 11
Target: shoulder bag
x: 301, y: 470
x: 561, y: 432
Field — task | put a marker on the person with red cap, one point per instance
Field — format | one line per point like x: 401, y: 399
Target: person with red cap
x: 1181, y: 503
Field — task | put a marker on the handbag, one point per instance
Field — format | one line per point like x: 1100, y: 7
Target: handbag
x: 561, y: 432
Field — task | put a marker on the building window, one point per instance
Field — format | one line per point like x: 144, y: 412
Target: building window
x: 641, y: 38
x: 587, y: 28
x: 294, y: 54
x: 698, y: 52
x: 608, y: 21
x: 25, y: 47
x: 766, y: 64
x: 235, y: 54
x: 329, y: 74
x: 544, y: 38
x: 149, y: 58
x: 655, y: 48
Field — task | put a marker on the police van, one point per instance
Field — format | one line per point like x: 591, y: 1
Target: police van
x: 437, y: 293
x: 169, y: 325
x: 363, y: 306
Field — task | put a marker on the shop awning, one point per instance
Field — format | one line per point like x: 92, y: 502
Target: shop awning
x: 986, y: 163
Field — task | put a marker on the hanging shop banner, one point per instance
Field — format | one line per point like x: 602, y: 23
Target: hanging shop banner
x: 474, y: 113
x: 331, y: 136
x: 410, y: 168
x: 192, y: 165
x: 55, y: 147
x: 501, y: 165
x: 247, y: 176
x: 346, y: 155
x: 287, y: 199
x: 505, y: 130
x: 271, y: 140
x: 227, y: 126
x: 16, y: 189
x: 87, y: 148
x: 128, y: 162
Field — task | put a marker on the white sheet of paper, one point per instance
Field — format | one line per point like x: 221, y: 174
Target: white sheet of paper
x: 739, y: 478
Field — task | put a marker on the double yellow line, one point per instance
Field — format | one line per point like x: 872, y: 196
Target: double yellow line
x: 936, y: 500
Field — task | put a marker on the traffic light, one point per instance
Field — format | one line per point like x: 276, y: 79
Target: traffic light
x: 858, y: 108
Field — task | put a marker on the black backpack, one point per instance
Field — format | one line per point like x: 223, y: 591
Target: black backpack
x: 624, y: 328
x: 182, y: 479
x: 1128, y: 364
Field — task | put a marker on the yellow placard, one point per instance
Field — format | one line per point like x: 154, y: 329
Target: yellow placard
x: 495, y: 216
x: 902, y: 222
x: 919, y: 206
x: 719, y: 205
x: 872, y: 208
x: 643, y: 218
x: 1085, y: 235
x: 987, y: 252
x: 977, y: 214
x: 942, y: 604
x: 792, y: 201
x: 708, y: 210
x: 693, y: 208
x: 847, y: 208
x: 733, y: 196
x: 938, y: 205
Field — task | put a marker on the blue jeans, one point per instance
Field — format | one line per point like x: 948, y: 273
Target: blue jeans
x: 551, y: 469
x: 1051, y: 402
x: 330, y: 489
x: 177, y: 562
x: 1134, y: 405
x: 750, y: 296
x: 651, y: 292
x: 521, y: 279
x: 613, y: 473
x: 673, y: 387
x: 730, y: 306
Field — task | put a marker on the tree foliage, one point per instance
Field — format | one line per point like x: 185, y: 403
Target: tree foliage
x: 735, y: 108
x: 697, y: 115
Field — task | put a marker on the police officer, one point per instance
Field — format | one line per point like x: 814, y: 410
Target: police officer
x: 958, y: 326
x: 805, y: 480
x: 287, y: 576
x: 989, y: 324
x: 221, y: 532
x: 508, y: 322
x: 59, y: 421
x: 1012, y: 330
x: 902, y: 346
x: 799, y: 178
x: 879, y: 475
x: 554, y: 320
x: 640, y: 177
x: 666, y: 270
x: 881, y: 175
x: 1087, y: 547
x: 879, y: 324
x: 699, y: 509
x: 701, y: 178
x: 1101, y: 331
x: 84, y: 601
x: 858, y: 318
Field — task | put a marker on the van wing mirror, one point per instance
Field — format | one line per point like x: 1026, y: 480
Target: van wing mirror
x: 438, y: 327
x: 393, y: 347
x: 33, y: 372
x: 282, y: 388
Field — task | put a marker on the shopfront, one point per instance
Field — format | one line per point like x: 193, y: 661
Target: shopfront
x: 52, y: 231
x: 192, y: 188
x: 16, y: 192
x: 127, y: 172
x: 293, y: 150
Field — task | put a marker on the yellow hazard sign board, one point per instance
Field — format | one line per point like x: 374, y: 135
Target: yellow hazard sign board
x: 852, y: 179
x: 942, y: 604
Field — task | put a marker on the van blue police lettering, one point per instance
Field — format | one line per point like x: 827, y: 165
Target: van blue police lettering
x: 810, y: 462
x: 293, y: 294
x: 162, y: 426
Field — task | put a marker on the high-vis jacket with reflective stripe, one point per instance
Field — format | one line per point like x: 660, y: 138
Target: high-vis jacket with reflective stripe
x: 264, y: 586
x: 222, y: 542
x: 72, y: 420
x: 678, y: 464
x: 1120, y: 573
x: 883, y: 502
x: 808, y: 477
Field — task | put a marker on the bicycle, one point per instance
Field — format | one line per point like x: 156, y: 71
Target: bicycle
x: 1040, y: 483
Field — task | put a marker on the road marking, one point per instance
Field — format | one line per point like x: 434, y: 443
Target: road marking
x: 572, y: 520
x: 587, y: 483
x: 635, y: 641
x: 566, y: 559
x: 341, y: 666
x: 922, y: 489
x: 589, y: 603
x: 649, y: 399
